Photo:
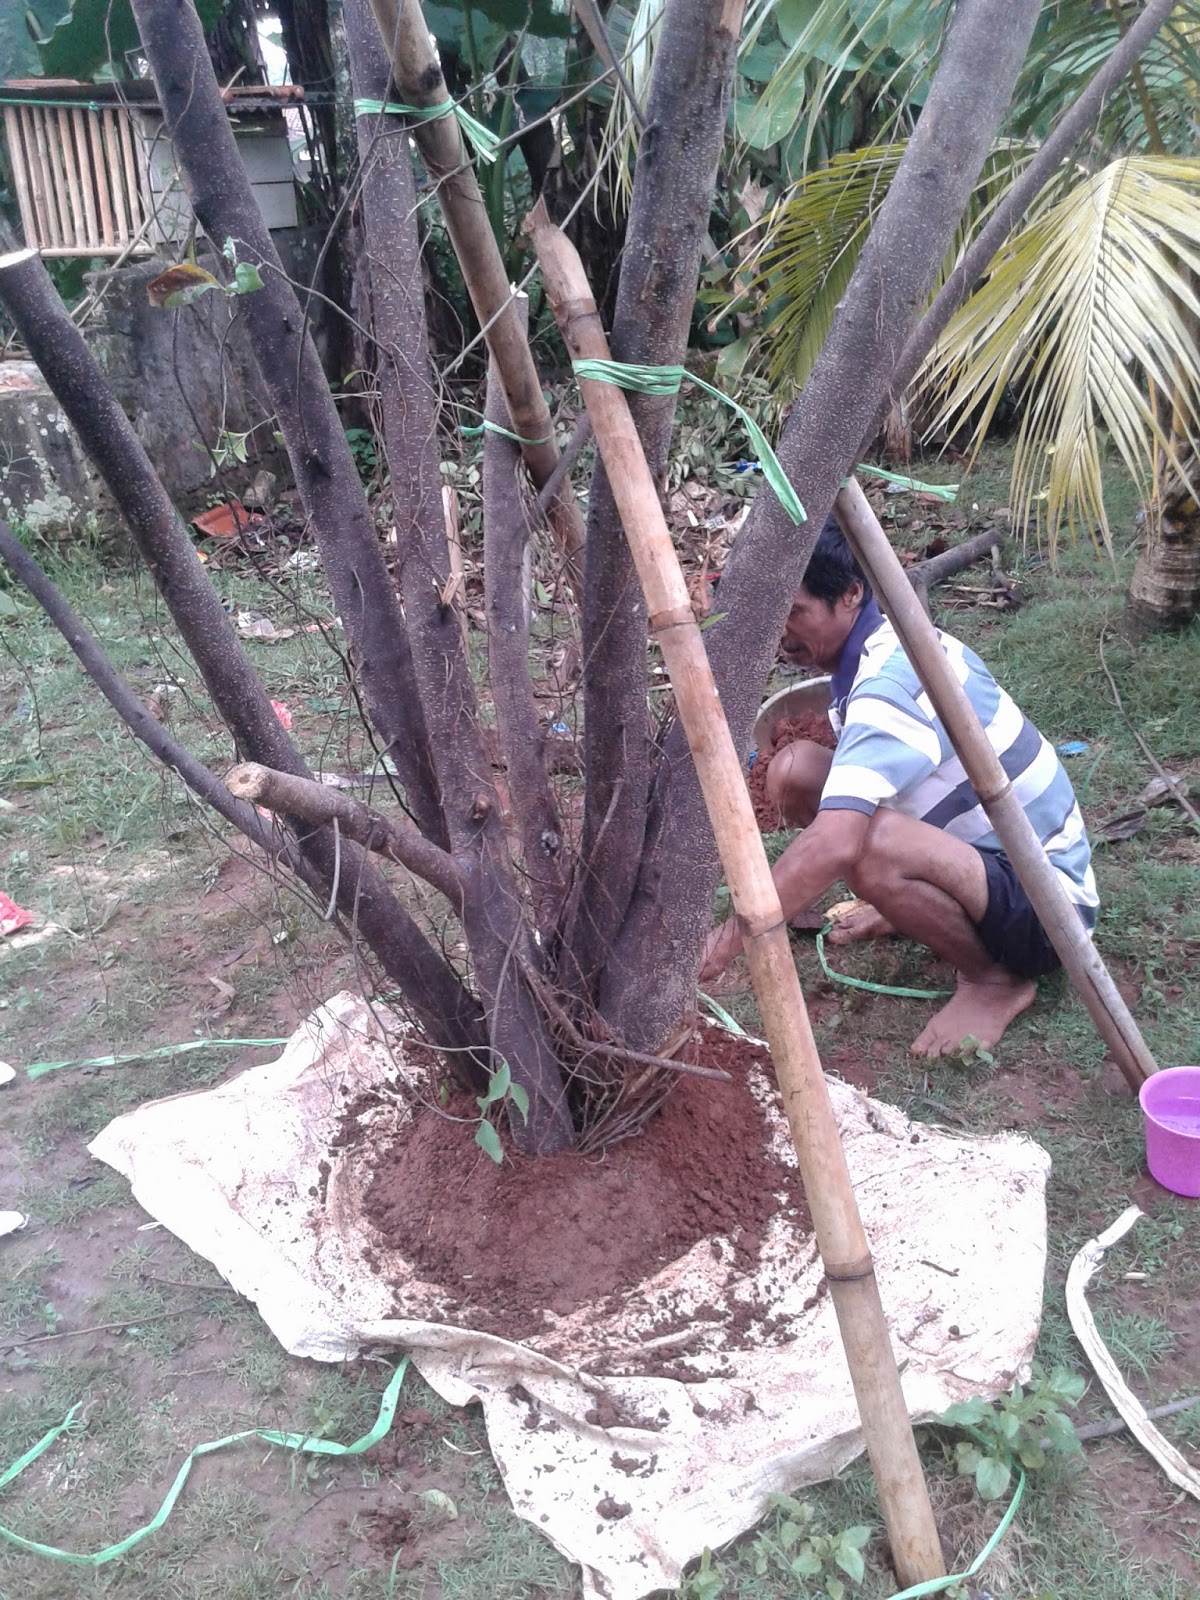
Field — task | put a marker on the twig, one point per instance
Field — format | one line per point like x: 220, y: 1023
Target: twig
x: 614, y: 1052
x: 571, y: 453
x: 101, y: 1327
x: 1105, y: 1430
x: 1173, y: 784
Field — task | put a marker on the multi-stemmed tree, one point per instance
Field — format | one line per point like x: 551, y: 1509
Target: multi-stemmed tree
x: 583, y: 921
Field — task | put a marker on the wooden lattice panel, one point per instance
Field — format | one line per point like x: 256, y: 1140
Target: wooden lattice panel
x: 80, y: 178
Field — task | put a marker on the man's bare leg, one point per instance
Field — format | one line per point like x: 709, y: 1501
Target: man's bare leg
x: 795, y: 781
x: 933, y: 888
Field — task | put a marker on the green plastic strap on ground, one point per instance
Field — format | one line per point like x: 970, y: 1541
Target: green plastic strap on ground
x: 40, y: 1068
x: 286, y: 1441
x: 666, y: 380
x: 937, y: 1585
x: 488, y: 426
x: 485, y: 142
x: 722, y: 1016
x: 873, y: 988
x: 940, y: 491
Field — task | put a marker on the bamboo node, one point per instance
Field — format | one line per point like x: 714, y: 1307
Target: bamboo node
x: 676, y: 617
x: 853, y: 1272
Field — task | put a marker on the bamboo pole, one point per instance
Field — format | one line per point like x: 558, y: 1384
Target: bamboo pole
x: 1058, y: 916
x: 418, y: 76
x: 849, y: 1270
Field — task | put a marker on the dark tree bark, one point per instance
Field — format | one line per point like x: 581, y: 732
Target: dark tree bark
x: 668, y: 222
x: 507, y: 519
x: 433, y: 990
x: 492, y: 910
x: 651, y: 972
x: 321, y: 461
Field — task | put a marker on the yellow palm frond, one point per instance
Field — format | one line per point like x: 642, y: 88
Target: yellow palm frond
x: 1091, y: 302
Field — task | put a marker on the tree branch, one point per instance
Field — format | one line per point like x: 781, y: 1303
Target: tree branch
x: 324, y: 469
x: 418, y: 74
x: 321, y: 805
x: 970, y: 94
x: 668, y: 220
x: 446, y: 1009
x: 131, y: 709
x: 506, y: 599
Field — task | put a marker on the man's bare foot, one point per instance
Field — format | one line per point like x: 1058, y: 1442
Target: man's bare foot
x: 859, y: 925
x: 978, y: 1011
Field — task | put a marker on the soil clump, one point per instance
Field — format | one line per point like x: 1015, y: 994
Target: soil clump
x: 534, y: 1235
x: 812, y: 725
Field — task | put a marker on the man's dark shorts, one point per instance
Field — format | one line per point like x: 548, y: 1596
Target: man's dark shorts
x: 1009, y: 928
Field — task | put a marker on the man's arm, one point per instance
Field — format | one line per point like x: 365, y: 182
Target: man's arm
x: 813, y: 861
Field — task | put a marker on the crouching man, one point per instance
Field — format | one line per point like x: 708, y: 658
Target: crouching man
x: 891, y: 812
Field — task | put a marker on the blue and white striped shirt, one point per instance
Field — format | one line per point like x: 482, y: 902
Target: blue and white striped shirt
x: 893, y: 751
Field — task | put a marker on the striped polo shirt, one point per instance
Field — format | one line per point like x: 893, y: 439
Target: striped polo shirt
x: 893, y: 751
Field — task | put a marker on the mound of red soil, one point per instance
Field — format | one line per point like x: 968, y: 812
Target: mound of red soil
x: 529, y: 1235
x: 812, y: 725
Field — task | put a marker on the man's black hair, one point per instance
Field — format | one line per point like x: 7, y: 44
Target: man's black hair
x: 832, y: 568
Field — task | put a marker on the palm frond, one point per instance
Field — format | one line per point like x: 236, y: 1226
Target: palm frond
x: 1092, y: 301
x: 812, y: 243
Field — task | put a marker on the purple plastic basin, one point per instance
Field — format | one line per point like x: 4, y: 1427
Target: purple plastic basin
x: 1171, y: 1106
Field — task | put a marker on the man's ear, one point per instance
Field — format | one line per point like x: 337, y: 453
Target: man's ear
x: 854, y: 596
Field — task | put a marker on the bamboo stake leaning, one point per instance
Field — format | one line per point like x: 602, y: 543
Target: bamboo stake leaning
x: 418, y: 76
x: 904, y: 1500
x: 1084, y: 965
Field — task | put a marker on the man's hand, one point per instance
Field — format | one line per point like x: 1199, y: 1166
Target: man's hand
x: 721, y: 947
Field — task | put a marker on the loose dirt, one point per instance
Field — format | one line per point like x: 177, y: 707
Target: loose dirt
x: 812, y: 725
x: 531, y: 1235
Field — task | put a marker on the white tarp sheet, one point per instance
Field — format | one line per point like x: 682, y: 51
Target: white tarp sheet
x: 629, y: 1476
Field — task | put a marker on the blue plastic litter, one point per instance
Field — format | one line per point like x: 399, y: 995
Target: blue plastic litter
x: 1074, y: 747
x: 559, y: 727
x: 751, y: 758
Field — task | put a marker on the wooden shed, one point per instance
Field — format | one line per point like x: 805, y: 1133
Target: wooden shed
x: 93, y: 170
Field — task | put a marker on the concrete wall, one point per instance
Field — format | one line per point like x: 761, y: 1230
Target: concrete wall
x: 181, y: 377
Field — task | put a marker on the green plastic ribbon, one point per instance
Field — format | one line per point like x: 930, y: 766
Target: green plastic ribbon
x: 40, y: 1068
x: 873, y: 988
x: 485, y: 142
x: 62, y: 105
x: 488, y: 426
x: 300, y: 1442
x: 940, y: 491
x: 666, y: 380
x: 937, y: 1585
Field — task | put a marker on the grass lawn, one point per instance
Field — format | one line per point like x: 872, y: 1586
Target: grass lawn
x: 165, y: 935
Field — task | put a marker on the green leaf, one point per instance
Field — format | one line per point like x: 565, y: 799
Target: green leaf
x: 498, y: 1086
x: 90, y: 33
x: 857, y: 1536
x: 967, y: 1457
x: 488, y: 1141
x: 764, y: 122
x: 246, y: 278
x: 992, y: 1477
x: 851, y: 1562
x: 1008, y: 1425
x: 520, y: 1099
x: 965, y: 1414
x: 1030, y: 1454
x: 8, y: 606
x: 835, y: 1588
x: 1067, y: 1387
x: 806, y: 1563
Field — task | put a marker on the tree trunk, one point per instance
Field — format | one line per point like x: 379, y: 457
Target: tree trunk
x: 277, y: 331
x: 499, y: 936
x: 654, y: 963
x: 1164, y: 592
x: 668, y: 223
